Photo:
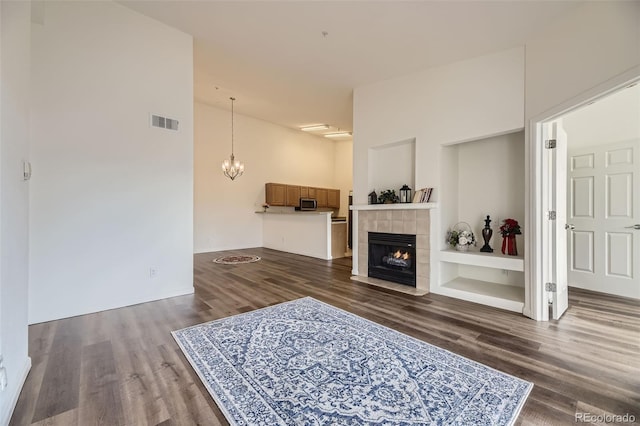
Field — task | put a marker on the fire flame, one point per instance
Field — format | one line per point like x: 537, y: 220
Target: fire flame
x: 398, y: 254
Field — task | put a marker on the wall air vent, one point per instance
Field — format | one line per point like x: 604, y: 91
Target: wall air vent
x: 164, y: 122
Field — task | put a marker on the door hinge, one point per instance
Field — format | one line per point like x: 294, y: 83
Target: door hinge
x: 551, y: 215
x: 550, y: 287
x: 550, y: 143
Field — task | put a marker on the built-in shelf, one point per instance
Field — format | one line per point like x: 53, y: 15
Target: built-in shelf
x: 504, y: 296
x: 501, y: 296
x: 473, y: 177
x: 396, y: 206
x: 489, y: 260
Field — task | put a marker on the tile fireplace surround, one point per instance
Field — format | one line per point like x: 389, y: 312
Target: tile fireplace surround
x: 397, y: 219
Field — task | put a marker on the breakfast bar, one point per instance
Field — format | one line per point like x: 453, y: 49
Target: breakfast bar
x: 311, y: 233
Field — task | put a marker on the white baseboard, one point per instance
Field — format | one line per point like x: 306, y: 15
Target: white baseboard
x: 14, y: 398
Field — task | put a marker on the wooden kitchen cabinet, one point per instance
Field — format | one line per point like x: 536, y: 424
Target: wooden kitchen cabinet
x: 333, y: 198
x: 312, y: 192
x: 279, y: 194
x: 338, y: 240
x: 275, y: 194
x: 321, y: 196
x: 293, y: 196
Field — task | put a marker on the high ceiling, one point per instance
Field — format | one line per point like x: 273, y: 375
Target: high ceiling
x: 296, y: 63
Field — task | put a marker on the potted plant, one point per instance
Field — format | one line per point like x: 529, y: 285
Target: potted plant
x: 388, y: 197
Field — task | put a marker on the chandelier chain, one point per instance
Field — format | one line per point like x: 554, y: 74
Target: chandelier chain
x: 232, y: 99
x: 232, y: 168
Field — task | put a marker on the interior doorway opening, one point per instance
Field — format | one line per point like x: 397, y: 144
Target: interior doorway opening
x: 557, y: 190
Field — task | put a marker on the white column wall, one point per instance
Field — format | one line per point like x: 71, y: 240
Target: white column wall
x: 343, y: 175
x: 14, y: 198
x: 111, y: 197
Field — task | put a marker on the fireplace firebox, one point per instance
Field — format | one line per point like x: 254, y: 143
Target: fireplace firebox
x: 392, y: 257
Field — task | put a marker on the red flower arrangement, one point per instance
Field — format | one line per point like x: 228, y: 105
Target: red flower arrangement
x: 509, y: 229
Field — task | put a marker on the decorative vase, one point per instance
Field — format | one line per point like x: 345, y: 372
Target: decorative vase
x: 487, y: 232
x: 509, y: 246
x: 462, y: 247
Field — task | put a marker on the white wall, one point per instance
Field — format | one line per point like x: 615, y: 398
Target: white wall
x: 596, y: 42
x: 443, y: 105
x: 343, y: 175
x: 391, y: 166
x: 14, y: 136
x: 225, y: 215
x: 615, y: 118
x: 307, y: 234
x: 491, y: 182
x: 111, y: 197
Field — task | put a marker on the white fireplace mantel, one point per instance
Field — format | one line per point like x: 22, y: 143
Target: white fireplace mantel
x: 396, y: 206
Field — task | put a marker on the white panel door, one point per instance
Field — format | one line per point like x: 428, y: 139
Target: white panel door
x: 604, y: 207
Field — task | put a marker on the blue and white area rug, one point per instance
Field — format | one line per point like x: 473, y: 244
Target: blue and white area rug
x: 307, y: 363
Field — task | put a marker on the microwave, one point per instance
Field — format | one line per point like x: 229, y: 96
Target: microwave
x: 307, y: 204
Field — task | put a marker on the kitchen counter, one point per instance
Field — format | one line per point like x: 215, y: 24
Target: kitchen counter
x: 295, y: 212
x: 310, y: 233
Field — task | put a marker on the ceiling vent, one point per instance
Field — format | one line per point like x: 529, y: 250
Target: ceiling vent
x: 164, y: 122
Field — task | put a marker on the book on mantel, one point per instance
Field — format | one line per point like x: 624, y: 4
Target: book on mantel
x: 422, y: 195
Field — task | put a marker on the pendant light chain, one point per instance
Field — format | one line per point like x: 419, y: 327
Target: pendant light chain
x: 232, y: 100
x: 232, y: 168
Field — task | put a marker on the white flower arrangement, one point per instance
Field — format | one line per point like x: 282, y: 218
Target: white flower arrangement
x: 460, y: 237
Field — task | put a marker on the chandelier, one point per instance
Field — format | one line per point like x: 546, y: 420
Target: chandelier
x: 232, y: 168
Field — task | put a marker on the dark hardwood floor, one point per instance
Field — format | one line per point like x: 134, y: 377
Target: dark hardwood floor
x: 122, y: 367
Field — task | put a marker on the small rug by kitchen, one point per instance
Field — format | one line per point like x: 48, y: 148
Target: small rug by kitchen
x: 307, y: 363
x: 235, y: 260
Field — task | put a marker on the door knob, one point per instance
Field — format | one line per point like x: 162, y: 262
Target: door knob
x: 636, y: 226
x: 569, y: 226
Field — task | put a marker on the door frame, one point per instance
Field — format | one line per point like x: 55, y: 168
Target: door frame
x: 535, y: 263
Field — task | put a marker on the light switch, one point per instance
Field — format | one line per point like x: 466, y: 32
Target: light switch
x: 26, y: 170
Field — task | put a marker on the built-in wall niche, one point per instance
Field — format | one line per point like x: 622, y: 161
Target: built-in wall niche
x: 488, y: 179
x: 480, y: 178
x: 392, y: 165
